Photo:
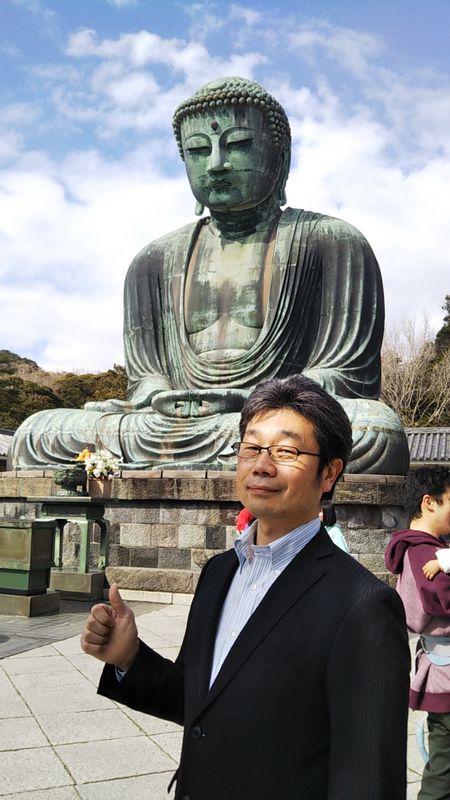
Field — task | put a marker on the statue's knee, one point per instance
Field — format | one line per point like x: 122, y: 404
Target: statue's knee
x: 380, y: 446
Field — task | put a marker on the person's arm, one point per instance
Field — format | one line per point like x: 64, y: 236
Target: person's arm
x: 434, y: 595
x: 368, y: 689
x: 152, y: 684
x: 431, y: 569
x: 110, y: 633
x: 443, y: 558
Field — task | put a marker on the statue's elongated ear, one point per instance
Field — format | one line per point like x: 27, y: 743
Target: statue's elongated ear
x: 199, y: 208
x: 282, y: 200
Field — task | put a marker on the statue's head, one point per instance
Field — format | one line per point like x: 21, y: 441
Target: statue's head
x: 235, y: 140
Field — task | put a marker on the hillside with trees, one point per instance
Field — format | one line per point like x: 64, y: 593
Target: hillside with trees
x: 26, y: 388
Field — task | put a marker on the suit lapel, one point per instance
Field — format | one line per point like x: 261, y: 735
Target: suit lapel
x: 220, y: 572
x: 298, y: 577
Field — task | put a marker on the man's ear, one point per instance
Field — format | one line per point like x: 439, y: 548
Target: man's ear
x: 427, y: 504
x: 330, y: 474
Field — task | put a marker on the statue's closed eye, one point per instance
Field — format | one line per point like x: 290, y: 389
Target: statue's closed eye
x: 203, y: 150
x: 243, y: 146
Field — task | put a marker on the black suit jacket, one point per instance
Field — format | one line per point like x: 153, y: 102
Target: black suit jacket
x: 311, y: 701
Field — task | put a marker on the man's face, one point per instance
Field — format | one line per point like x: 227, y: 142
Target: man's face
x: 230, y: 159
x: 283, y: 496
x: 440, y: 516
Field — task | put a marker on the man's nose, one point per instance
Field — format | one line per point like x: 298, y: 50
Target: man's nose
x: 264, y: 463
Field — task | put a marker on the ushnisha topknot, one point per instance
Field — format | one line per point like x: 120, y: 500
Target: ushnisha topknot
x: 231, y: 92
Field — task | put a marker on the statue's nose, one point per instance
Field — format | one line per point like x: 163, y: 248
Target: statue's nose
x: 218, y: 161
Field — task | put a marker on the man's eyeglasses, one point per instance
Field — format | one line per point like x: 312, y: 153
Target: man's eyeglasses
x: 278, y: 452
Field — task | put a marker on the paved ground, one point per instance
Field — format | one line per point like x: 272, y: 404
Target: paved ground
x: 60, y: 741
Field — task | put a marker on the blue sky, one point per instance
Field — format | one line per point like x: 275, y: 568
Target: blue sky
x: 89, y: 171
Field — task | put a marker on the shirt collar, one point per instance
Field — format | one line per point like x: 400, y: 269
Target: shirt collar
x: 282, y: 550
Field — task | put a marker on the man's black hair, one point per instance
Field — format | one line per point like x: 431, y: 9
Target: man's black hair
x: 425, y: 480
x: 328, y: 514
x: 331, y: 424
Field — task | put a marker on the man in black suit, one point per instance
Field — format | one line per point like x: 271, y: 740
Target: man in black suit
x: 292, y: 679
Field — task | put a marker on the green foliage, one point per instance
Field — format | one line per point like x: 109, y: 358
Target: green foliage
x: 19, y: 398
x: 442, y: 341
x: 76, y: 390
x: 25, y: 388
x: 9, y: 362
x: 112, y: 383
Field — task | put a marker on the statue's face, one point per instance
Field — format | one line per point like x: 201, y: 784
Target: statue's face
x: 230, y: 159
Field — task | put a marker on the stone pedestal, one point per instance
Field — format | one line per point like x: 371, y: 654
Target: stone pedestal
x: 26, y: 556
x: 164, y: 526
x: 73, y: 585
x: 29, y: 605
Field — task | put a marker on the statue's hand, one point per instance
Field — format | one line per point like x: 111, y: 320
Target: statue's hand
x: 121, y: 406
x: 189, y: 403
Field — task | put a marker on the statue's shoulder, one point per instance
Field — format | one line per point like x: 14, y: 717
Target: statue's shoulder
x: 321, y: 226
x: 159, y: 249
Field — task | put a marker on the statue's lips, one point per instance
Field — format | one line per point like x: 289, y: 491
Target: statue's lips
x: 222, y: 184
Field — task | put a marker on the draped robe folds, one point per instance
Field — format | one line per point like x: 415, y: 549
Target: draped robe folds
x: 324, y: 318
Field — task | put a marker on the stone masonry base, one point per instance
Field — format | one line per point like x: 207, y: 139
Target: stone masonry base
x: 164, y: 526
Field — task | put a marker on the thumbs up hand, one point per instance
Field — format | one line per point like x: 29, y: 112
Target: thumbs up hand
x: 110, y: 632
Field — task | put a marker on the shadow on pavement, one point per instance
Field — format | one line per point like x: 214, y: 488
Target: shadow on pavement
x: 18, y: 634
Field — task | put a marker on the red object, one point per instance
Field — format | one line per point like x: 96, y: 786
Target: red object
x: 244, y: 519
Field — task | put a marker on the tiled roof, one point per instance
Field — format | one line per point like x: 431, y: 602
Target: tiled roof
x: 429, y: 445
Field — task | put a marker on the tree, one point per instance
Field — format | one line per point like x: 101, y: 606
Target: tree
x: 20, y: 398
x: 415, y: 382
x: 442, y: 341
x: 26, y: 388
x: 112, y: 383
x: 76, y: 389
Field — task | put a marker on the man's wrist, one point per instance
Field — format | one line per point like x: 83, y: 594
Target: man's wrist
x: 125, y: 665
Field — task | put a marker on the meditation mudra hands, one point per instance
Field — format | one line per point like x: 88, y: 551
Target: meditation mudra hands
x: 182, y: 403
x: 199, y: 402
x: 110, y: 633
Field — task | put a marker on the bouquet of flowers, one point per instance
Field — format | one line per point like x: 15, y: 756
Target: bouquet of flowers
x: 99, y: 464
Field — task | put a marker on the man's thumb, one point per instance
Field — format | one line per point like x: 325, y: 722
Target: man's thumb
x: 116, y: 600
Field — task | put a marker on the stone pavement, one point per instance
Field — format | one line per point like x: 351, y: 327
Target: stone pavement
x: 60, y: 741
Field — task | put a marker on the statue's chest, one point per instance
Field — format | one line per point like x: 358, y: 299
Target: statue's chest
x: 227, y: 283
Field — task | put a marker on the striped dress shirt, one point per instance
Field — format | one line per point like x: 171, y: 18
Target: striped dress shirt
x: 259, y: 567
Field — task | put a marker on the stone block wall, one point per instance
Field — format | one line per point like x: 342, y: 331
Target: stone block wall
x: 165, y: 526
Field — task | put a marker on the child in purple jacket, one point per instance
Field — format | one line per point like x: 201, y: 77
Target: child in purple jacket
x: 426, y: 597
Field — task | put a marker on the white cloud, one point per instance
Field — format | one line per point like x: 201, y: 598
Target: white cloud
x: 69, y: 225
x: 204, y: 18
x: 54, y: 73
x: 19, y: 114
x: 352, y: 49
x: 68, y: 232
x: 411, y: 105
x: 122, y: 3
x: 10, y: 49
x: 342, y: 166
x: 191, y: 59
x: 248, y: 15
x: 122, y: 92
x: 39, y: 10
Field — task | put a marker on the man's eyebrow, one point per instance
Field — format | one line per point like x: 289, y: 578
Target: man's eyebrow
x: 282, y: 433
